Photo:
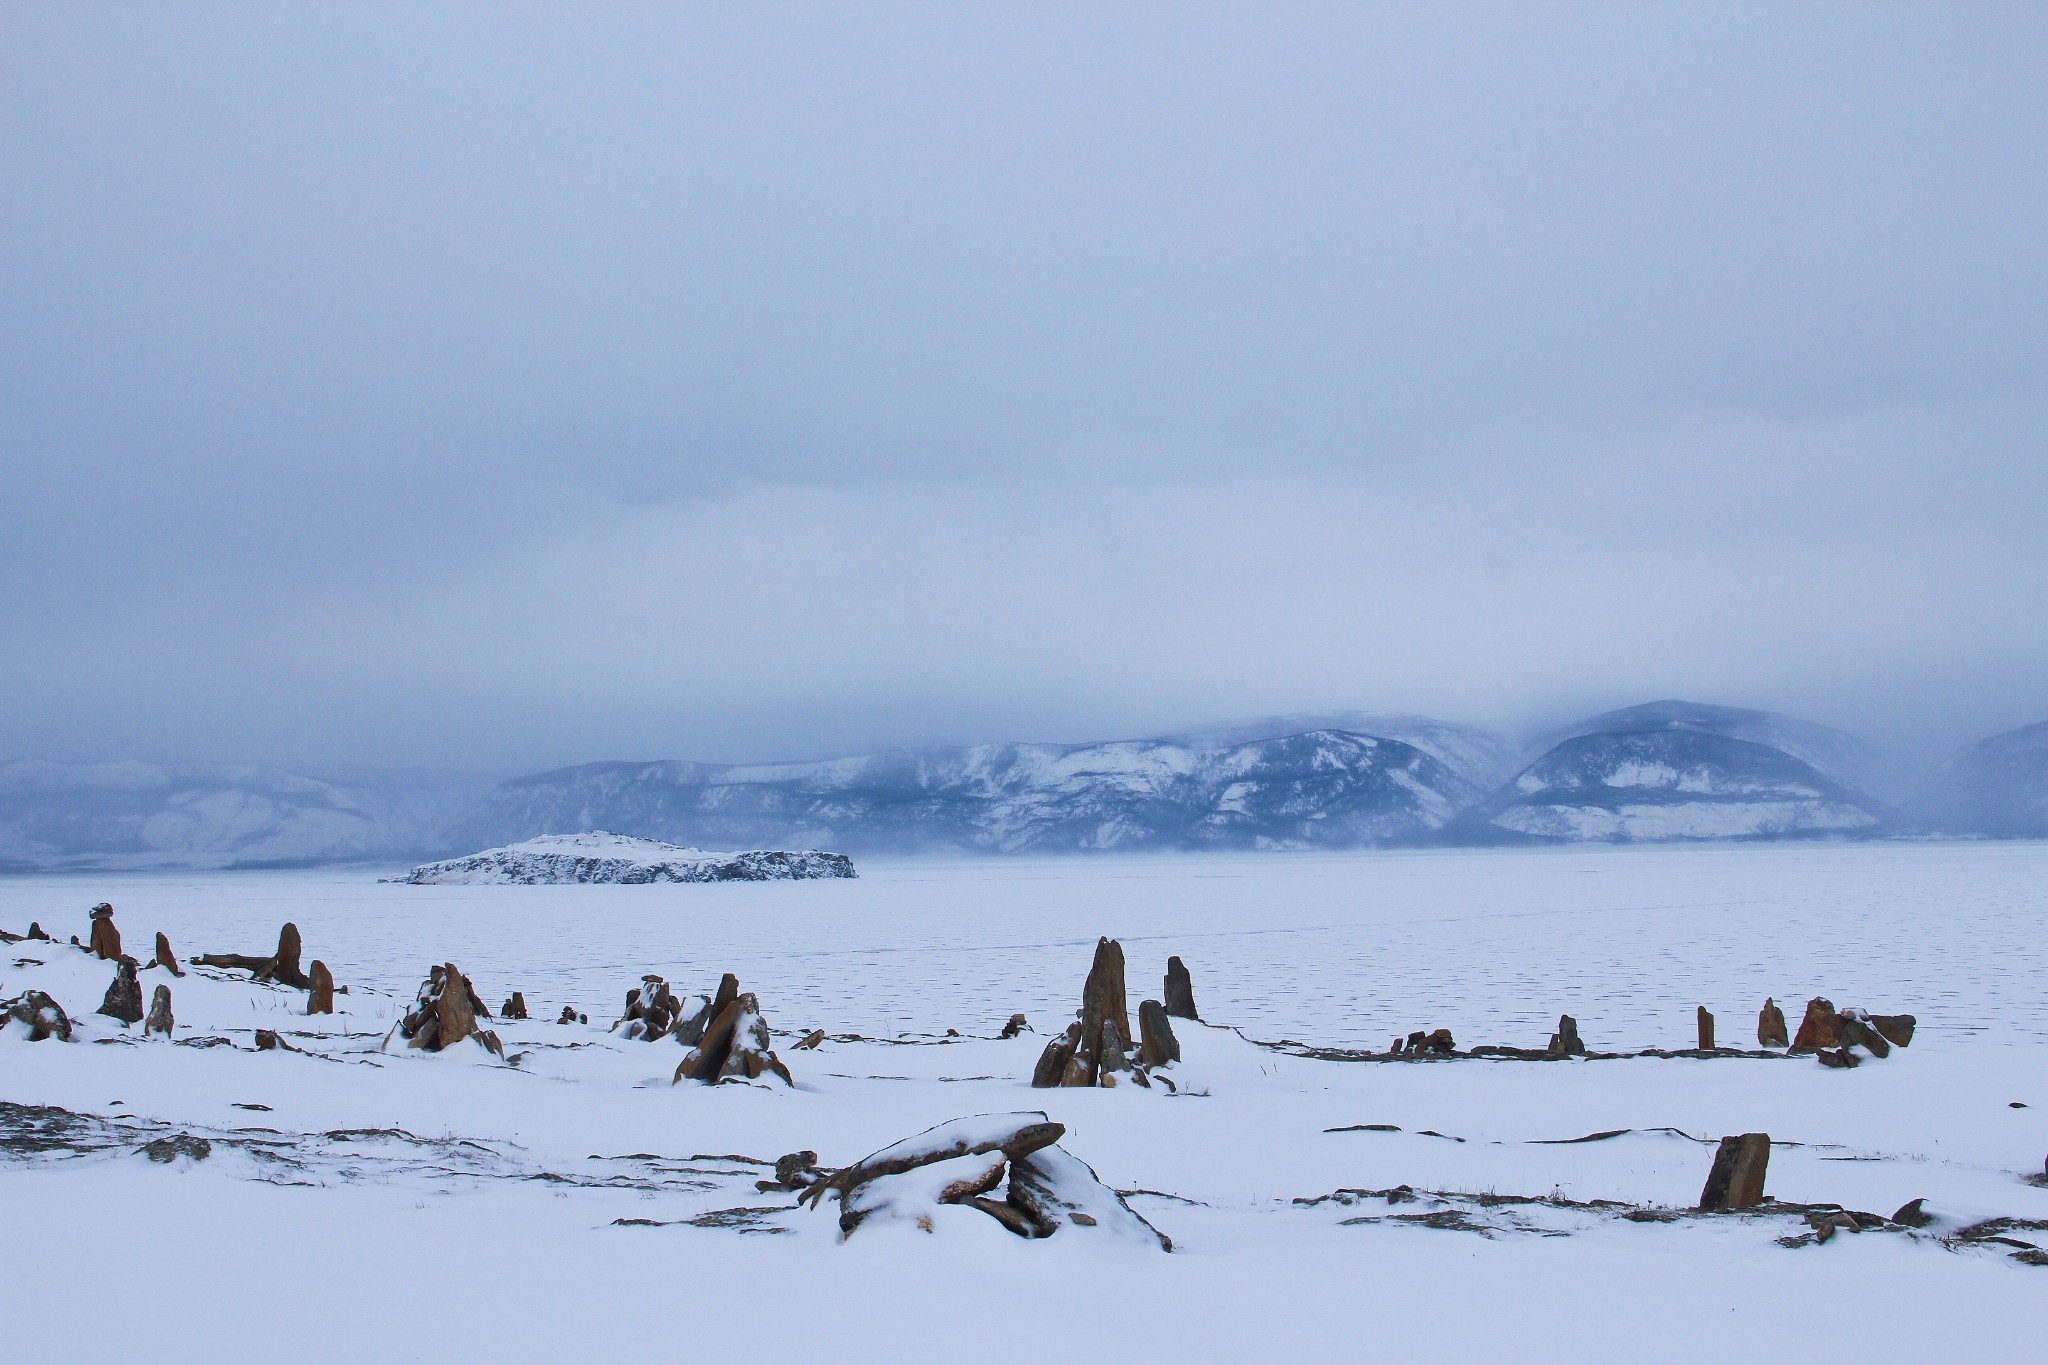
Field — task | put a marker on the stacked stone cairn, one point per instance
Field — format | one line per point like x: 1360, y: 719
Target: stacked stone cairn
x: 104, y: 941
x: 964, y: 1164
x: 728, y: 1040
x: 444, y: 1014
x: 1096, y: 1048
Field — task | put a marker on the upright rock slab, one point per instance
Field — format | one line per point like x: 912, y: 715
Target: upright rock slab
x: 444, y: 1013
x: 735, y: 1045
x: 1770, y: 1026
x: 124, y: 996
x: 1817, y: 1029
x: 105, y: 940
x: 1565, y: 1042
x: 1736, y: 1180
x: 159, y: 1020
x: 165, y: 958
x: 1180, y: 991
x: 1158, y: 1046
x: 320, y: 999
x: 1706, y: 1030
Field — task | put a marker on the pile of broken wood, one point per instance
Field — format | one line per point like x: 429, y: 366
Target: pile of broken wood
x: 1007, y: 1166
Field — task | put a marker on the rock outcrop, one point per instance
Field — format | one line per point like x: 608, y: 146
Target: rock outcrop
x: 1770, y: 1025
x: 1095, y: 1048
x: 34, y: 1015
x: 105, y: 942
x: 124, y: 996
x: 735, y: 1045
x: 515, y: 1008
x: 601, y: 857
x: 159, y: 1020
x: 1736, y: 1180
x: 445, y: 1013
x: 654, y: 1011
x: 165, y: 958
x: 1180, y: 991
x: 320, y: 997
x: 1565, y: 1042
x: 1817, y: 1029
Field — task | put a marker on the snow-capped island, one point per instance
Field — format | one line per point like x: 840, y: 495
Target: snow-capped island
x: 599, y: 856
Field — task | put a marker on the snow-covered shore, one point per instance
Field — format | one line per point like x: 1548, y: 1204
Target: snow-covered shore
x: 311, y: 1219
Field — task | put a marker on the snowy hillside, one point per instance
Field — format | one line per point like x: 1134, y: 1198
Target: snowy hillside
x: 602, y: 857
x: 1841, y: 756
x: 1675, y: 770
x: 131, y: 814
x: 1481, y: 757
x: 1996, y: 787
x: 1321, y: 789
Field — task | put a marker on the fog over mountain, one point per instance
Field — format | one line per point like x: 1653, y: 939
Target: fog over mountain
x: 498, y: 389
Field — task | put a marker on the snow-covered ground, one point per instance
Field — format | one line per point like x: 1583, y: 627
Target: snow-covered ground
x: 405, y: 1206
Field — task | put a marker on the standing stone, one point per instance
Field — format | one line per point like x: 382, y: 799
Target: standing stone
x: 457, y: 1019
x: 321, y: 999
x: 1052, y: 1063
x: 1180, y: 991
x: 105, y: 942
x: 1817, y: 1029
x: 36, y: 931
x: 1115, y: 1056
x: 124, y: 997
x: 1770, y: 1025
x: 1016, y: 1026
x: 1159, y: 1046
x: 1854, y: 1032
x: 515, y: 1008
x: 286, y: 968
x: 165, y: 958
x: 728, y: 992
x: 159, y: 1020
x: 1103, y: 1003
x: 1706, y: 1030
x: 1565, y: 1042
x: 1737, y: 1178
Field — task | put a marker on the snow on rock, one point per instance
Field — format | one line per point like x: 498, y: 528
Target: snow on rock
x: 913, y: 1196
x: 1061, y: 1193
x: 557, y: 859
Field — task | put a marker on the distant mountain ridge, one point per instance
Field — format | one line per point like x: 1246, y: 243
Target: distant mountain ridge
x: 1667, y: 770
x: 1321, y: 789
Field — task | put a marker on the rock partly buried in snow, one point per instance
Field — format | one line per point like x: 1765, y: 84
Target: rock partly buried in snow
x: 910, y: 1196
x: 444, y: 1014
x: 1013, y: 1135
x: 1060, y: 1193
x: 165, y: 958
x: 34, y: 1016
x: 1817, y: 1029
x: 320, y: 996
x: 1095, y: 1050
x: 1565, y: 1042
x: 1180, y: 991
x: 736, y: 1045
x: 599, y: 857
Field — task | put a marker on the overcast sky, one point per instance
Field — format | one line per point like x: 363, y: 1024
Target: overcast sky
x: 495, y: 387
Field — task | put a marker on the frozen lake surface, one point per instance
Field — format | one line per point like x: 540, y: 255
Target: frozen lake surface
x: 1342, y: 951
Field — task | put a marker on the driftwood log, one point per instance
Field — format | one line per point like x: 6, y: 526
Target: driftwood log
x: 282, y: 965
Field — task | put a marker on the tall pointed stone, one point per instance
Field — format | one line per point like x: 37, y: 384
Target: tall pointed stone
x: 1103, y: 1001
x: 165, y: 958
x: 159, y: 1020
x: 105, y: 940
x: 1180, y: 991
x: 1706, y: 1022
x: 1159, y: 1046
x: 1770, y: 1026
x: 321, y: 998
x: 124, y: 996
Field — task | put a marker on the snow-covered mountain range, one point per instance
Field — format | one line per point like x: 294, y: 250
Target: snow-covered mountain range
x: 1666, y: 770
x: 1325, y: 788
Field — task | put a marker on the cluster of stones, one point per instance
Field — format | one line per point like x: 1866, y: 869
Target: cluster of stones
x: 1439, y: 1043
x: 1565, y: 1042
x: 445, y: 1013
x: 728, y: 1040
x: 1834, y: 1035
x: 45, y: 1018
x: 1096, y: 1048
x: 966, y: 1163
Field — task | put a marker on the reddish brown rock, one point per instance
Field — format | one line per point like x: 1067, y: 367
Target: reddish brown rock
x: 457, y: 1019
x: 810, y: 1041
x: 1736, y: 1180
x: 44, y: 1017
x: 35, y: 931
x: 515, y: 1008
x: 1897, y: 1028
x: 1770, y: 1026
x: 165, y: 958
x: 1018, y: 1024
x: 1052, y: 1063
x: 105, y: 942
x: 1706, y: 1022
x: 159, y: 1020
x: 1817, y: 1029
x: 320, y: 999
